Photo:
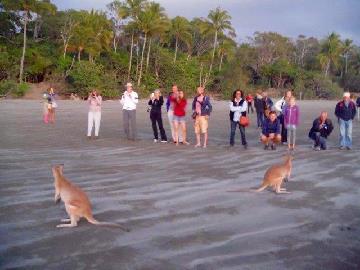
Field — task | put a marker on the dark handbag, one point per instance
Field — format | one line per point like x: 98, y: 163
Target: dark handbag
x: 244, y: 121
x: 194, y: 114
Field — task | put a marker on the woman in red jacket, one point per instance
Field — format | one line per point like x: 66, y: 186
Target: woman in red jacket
x: 179, y: 120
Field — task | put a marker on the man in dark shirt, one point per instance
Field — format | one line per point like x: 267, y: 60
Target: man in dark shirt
x: 320, y: 130
x: 345, y: 111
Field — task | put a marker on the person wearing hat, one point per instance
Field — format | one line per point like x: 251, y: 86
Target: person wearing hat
x: 129, y: 100
x: 345, y: 111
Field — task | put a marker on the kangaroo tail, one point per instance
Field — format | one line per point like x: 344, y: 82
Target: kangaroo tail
x: 263, y: 187
x: 107, y: 224
x: 243, y: 190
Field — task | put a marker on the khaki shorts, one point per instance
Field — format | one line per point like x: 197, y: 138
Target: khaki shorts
x: 201, y: 124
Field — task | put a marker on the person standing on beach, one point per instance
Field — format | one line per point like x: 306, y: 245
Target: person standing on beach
x: 321, y: 129
x: 46, y: 108
x: 249, y: 100
x: 345, y: 111
x: 179, y: 116
x: 268, y: 104
x: 358, y: 107
x: 129, y: 100
x: 156, y: 101
x: 259, y: 108
x: 51, y: 95
x: 279, y: 106
x: 94, y: 114
x: 271, y: 131
x: 170, y: 111
x: 238, y: 108
x: 291, y: 114
x: 201, y: 108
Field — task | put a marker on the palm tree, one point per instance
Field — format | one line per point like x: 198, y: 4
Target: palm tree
x: 25, y: 10
x: 347, y: 46
x: 219, y: 21
x: 131, y: 9
x: 159, y: 27
x: 226, y: 48
x: 180, y: 29
x: 330, y: 53
x: 148, y: 21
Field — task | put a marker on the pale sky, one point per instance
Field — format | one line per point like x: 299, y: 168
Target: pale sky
x: 315, y: 18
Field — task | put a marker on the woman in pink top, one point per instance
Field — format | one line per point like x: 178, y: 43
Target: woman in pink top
x: 94, y: 115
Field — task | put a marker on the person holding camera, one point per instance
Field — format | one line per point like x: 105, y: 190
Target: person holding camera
x: 201, y: 108
x: 156, y: 101
x: 179, y: 120
x: 94, y: 115
x: 129, y: 100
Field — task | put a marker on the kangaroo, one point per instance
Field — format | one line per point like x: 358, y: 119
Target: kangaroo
x: 77, y: 203
x: 274, y: 177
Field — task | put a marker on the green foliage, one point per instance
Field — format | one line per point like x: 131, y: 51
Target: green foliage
x: 84, y: 76
x: 140, y: 43
x: 9, y: 87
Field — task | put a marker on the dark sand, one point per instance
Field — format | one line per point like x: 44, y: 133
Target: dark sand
x: 174, y: 199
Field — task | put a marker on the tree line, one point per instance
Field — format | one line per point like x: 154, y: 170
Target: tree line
x: 135, y: 40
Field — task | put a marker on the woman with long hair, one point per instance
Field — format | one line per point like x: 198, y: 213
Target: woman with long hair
x: 238, y: 108
x: 179, y: 116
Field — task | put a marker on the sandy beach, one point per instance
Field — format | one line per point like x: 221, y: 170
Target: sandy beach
x: 174, y: 199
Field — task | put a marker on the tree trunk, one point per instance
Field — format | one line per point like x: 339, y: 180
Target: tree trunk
x: 79, y: 55
x: 24, y: 50
x: 131, y: 55
x: 148, y: 55
x: 137, y: 59
x: 212, y: 58
x: 142, y: 60
x: 201, y: 71
x: 327, y: 68
x: 176, y: 49
x: 65, y: 49
x: 213, y: 53
x: 221, y: 61
x: 346, y: 63
x: 115, y: 43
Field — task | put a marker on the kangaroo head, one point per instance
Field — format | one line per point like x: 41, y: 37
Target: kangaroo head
x: 57, y: 170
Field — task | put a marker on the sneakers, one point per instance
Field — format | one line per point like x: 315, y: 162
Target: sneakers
x: 317, y: 148
x: 348, y: 148
x: 342, y: 147
x: 164, y: 141
x: 155, y: 140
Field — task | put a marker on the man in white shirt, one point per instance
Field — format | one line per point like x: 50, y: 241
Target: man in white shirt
x: 129, y: 100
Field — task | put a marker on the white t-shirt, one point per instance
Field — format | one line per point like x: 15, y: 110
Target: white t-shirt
x: 129, y: 100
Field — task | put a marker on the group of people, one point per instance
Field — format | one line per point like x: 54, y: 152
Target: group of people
x: 278, y: 121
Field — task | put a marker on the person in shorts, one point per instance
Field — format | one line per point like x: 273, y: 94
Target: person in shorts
x: 201, y: 108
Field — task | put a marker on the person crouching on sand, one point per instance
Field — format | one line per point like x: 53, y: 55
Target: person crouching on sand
x: 321, y: 129
x: 271, y: 131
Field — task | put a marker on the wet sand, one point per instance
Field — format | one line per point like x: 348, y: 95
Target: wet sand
x: 174, y: 199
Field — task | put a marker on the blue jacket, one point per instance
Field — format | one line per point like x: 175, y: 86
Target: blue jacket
x: 206, y: 107
x: 345, y: 113
x: 358, y: 102
x: 271, y: 127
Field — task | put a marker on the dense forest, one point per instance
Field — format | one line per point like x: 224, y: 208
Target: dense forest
x: 134, y: 40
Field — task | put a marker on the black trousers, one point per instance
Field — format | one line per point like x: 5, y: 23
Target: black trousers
x: 157, y: 118
x: 283, y: 129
